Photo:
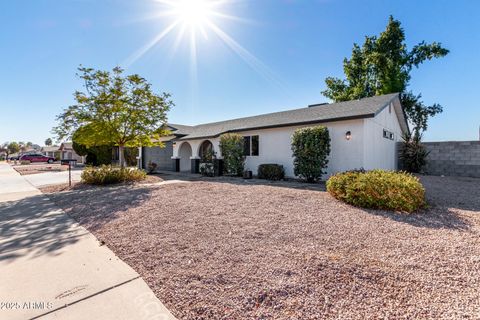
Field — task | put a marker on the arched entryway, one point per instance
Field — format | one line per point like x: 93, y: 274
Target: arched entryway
x: 185, y: 152
x: 205, y: 150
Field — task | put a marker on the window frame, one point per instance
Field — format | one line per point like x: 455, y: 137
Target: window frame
x: 255, y: 152
x: 388, y: 134
x: 246, y: 146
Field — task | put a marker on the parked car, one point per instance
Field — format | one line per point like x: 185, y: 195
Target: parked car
x: 37, y: 158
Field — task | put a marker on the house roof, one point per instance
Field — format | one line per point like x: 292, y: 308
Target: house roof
x: 354, y: 109
x: 50, y: 148
x: 66, y: 145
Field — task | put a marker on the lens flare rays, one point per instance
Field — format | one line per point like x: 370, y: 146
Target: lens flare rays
x: 192, y: 18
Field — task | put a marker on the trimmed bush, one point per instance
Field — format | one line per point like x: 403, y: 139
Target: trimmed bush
x: 271, y: 171
x: 231, y: 146
x: 378, y: 189
x: 109, y: 175
x: 311, y: 147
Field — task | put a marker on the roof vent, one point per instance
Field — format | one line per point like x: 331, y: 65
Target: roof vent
x: 317, y: 105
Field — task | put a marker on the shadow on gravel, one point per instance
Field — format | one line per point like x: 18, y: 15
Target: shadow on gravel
x: 35, y: 225
x: 433, y: 218
x: 95, y: 206
x: 292, y: 184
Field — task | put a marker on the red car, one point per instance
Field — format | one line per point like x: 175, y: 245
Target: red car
x: 36, y: 158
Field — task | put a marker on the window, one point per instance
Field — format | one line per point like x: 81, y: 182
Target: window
x: 255, y: 146
x: 387, y: 134
x: 246, y: 146
x: 250, y: 146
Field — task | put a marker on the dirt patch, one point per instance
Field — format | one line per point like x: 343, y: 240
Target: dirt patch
x: 226, y: 250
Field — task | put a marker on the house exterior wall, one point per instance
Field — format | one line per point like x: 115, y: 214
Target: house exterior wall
x: 275, y: 147
x: 380, y: 152
x: 71, y: 154
x: 367, y: 148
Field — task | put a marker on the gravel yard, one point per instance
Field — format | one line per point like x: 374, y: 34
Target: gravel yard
x: 39, y: 168
x: 226, y: 250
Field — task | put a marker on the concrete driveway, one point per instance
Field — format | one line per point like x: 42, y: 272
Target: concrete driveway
x: 52, y: 268
x: 50, y: 178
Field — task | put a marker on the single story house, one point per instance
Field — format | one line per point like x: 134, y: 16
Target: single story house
x: 67, y: 152
x: 364, y: 134
x: 51, y: 151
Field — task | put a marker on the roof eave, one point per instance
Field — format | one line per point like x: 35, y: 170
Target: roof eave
x: 291, y: 124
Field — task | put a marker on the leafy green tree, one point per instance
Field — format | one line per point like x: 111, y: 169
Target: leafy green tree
x: 48, y: 142
x: 311, y: 147
x: 115, y: 110
x: 231, y: 146
x: 383, y: 65
x: 11, y: 147
x: 4, y: 150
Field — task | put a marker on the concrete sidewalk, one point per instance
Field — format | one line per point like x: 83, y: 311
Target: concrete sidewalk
x: 52, y: 268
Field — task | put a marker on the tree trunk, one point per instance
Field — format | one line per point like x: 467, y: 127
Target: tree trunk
x: 121, y: 156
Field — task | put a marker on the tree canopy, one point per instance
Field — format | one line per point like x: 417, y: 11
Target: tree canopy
x: 48, y: 141
x: 10, y: 147
x: 115, y: 110
x: 383, y: 65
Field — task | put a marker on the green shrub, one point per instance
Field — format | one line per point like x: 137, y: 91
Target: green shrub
x: 311, y: 147
x: 413, y: 154
x: 231, y: 146
x: 378, y: 189
x: 271, y: 171
x: 108, y: 175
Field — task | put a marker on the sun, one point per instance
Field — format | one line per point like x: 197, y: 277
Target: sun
x: 190, y: 18
x: 193, y: 13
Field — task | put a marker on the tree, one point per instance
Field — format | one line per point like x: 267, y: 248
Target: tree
x: 11, y: 147
x: 48, y: 142
x: 24, y: 146
x: 3, y: 149
x: 115, y: 110
x: 310, y: 147
x: 383, y: 65
x: 231, y: 147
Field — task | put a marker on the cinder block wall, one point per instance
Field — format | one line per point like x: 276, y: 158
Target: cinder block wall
x: 453, y: 158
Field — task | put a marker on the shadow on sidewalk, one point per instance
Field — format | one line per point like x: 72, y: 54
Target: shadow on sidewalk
x: 34, y: 225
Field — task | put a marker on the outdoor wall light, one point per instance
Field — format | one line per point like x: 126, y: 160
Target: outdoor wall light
x: 348, y: 135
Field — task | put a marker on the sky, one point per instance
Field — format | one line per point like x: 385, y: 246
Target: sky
x: 273, y: 56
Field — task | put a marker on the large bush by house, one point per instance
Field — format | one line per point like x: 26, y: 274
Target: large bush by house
x: 378, y: 189
x: 413, y: 155
x: 231, y: 146
x: 311, y: 147
x: 108, y: 175
x: 271, y: 171
x: 99, y: 155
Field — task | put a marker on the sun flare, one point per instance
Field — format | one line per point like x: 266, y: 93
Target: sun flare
x: 191, y: 18
x: 193, y: 13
